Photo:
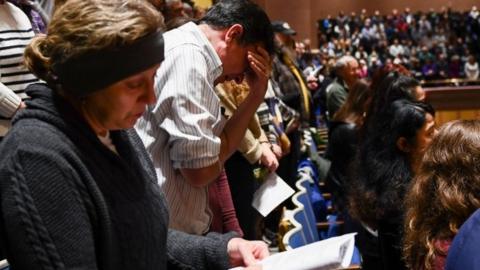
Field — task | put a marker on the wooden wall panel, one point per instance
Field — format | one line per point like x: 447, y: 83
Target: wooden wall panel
x: 298, y: 12
x: 441, y: 117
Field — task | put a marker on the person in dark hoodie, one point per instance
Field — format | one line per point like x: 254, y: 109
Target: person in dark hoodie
x: 77, y: 189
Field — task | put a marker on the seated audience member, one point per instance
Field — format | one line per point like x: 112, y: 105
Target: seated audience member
x: 362, y: 69
x: 429, y: 69
x: 472, y: 70
x: 78, y: 189
x: 463, y: 253
x: 444, y: 193
x: 455, y: 68
x: 185, y: 132
x: 405, y: 38
x: 387, y: 160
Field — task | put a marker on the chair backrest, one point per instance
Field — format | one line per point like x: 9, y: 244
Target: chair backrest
x: 306, y: 167
x: 310, y: 142
x: 333, y: 228
x: 306, y: 217
x: 317, y: 201
x: 357, y: 257
x: 295, y: 237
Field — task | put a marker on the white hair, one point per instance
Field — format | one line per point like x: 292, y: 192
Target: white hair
x: 187, y: 6
x: 168, y: 2
x: 343, y: 61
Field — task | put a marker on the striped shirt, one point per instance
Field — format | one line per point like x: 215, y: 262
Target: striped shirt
x: 15, y: 34
x: 180, y: 130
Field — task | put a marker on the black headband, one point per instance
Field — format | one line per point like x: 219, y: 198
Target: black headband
x: 93, y: 71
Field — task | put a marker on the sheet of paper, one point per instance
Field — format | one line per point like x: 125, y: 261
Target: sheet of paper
x: 333, y: 253
x: 271, y: 194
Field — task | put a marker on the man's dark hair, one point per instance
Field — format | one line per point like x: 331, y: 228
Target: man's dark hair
x: 255, y: 22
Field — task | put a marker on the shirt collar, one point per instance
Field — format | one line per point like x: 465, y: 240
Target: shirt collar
x: 205, y: 44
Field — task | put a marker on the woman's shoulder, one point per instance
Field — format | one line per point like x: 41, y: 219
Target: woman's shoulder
x: 34, y: 133
x: 34, y: 140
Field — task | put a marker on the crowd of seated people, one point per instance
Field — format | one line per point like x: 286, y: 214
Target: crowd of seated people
x: 395, y: 129
x: 432, y: 45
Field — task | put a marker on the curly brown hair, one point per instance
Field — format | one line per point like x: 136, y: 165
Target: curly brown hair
x: 445, y: 192
x: 82, y: 26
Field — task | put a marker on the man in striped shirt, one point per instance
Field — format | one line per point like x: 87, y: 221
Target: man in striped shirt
x: 15, y: 33
x: 184, y: 132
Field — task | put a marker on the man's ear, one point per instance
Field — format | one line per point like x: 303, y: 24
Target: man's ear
x: 234, y: 32
x: 403, y: 145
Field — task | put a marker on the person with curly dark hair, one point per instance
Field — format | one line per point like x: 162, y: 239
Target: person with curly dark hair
x: 444, y: 193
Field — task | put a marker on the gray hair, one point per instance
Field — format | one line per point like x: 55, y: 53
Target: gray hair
x: 343, y: 61
x: 187, y: 6
x: 169, y: 2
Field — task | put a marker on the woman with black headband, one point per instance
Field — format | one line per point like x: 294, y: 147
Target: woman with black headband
x: 77, y: 188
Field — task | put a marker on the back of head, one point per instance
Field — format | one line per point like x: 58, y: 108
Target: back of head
x: 405, y: 118
x: 354, y: 107
x: 255, y: 22
x: 82, y: 27
x: 380, y: 74
x: 445, y: 192
x: 449, y: 148
x: 393, y: 87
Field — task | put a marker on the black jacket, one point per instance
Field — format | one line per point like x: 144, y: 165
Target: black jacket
x: 341, y: 150
x: 68, y: 202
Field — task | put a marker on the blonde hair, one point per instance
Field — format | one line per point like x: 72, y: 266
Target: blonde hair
x: 83, y: 26
x: 445, y: 192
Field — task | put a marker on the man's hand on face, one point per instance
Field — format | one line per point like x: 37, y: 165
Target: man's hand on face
x: 259, y: 70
